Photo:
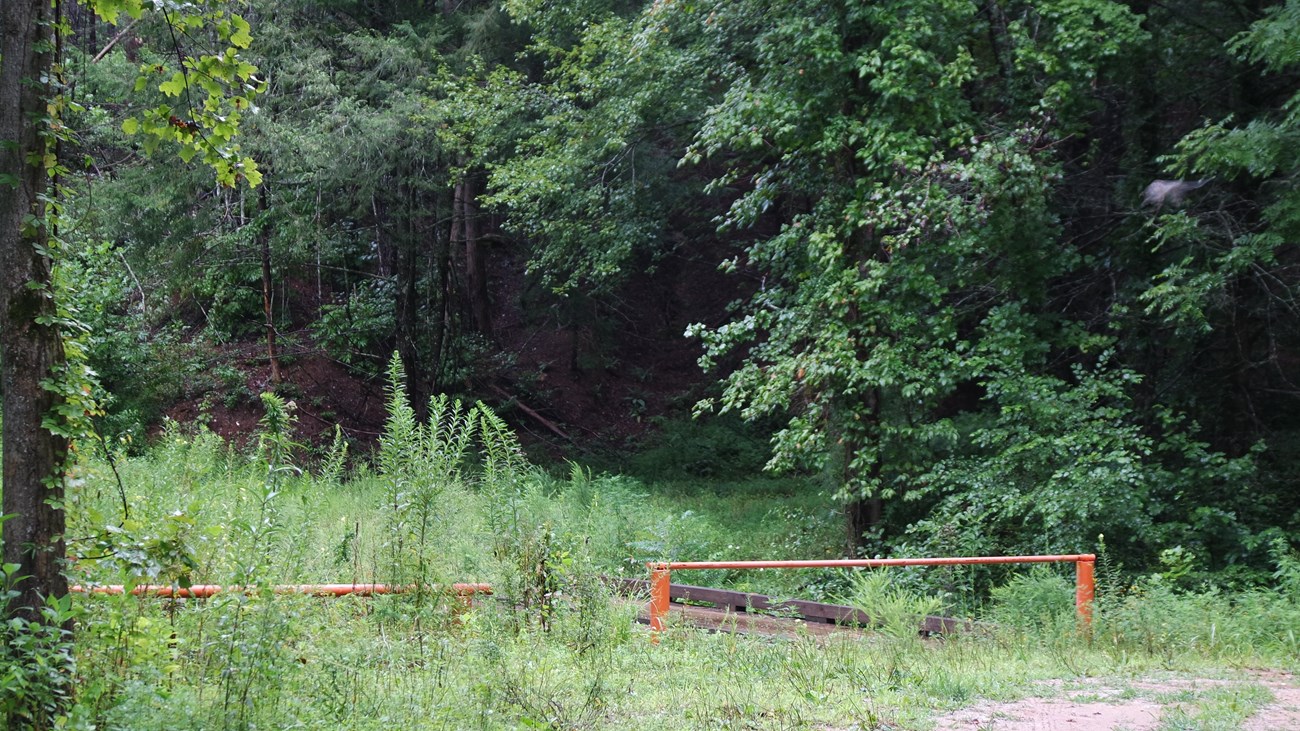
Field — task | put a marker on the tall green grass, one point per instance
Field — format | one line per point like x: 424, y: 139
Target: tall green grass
x: 452, y: 499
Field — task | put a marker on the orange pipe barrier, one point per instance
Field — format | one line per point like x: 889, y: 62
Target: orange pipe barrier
x: 660, y: 576
x: 659, y: 589
x: 204, y: 591
x: 1085, y: 590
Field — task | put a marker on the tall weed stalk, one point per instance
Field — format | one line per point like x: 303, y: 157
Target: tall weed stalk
x: 420, y: 464
x: 251, y: 626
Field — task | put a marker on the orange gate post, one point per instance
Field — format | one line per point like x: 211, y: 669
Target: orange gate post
x: 1085, y: 589
x: 660, y: 584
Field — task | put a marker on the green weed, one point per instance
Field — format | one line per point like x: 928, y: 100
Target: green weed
x: 554, y: 648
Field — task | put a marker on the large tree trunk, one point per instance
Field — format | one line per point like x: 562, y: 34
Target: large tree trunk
x: 29, y: 350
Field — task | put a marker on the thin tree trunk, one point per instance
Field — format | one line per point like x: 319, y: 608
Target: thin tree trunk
x: 1000, y: 41
x: 29, y: 350
x: 265, y: 236
x: 408, y: 306
x: 440, y: 265
x: 475, y: 261
x: 862, y: 514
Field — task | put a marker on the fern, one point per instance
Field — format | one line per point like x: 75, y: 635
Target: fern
x: 398, y: 445
x: 331, y: 471
x: 503, y: 459
x: 448, y: 437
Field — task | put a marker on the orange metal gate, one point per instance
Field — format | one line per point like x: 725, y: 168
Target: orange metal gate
x: 203, y: 591
x: 661, y: 573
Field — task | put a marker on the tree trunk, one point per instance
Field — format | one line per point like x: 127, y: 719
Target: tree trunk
x: 441, y: 269
x: 264, y: 235
x: 475, y: 261
x: 861, y: 515
x: 1000, y: 42
x: 407, y: 320
x: 29, y: 350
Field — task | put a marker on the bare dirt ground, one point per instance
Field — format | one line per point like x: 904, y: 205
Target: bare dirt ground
x: 1136, y: 706
x: 1042, y: 714
x: 1106, y: 705
x: 1283, y: 714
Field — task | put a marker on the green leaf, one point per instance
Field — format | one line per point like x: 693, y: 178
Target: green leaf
x: 251, y: 173
x: 173, y: 86
x: 130, y: 125
x: 110, y: 9
x: 241, y: 38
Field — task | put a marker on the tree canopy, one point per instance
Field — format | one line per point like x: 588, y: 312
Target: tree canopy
x: 953, y: 295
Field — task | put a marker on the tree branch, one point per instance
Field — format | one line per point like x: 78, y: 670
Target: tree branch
x: 109, y: 46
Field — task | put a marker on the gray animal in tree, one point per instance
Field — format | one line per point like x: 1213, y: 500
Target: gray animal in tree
x: 1161, y: 193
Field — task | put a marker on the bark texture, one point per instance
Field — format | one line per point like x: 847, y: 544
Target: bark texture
x: 29, y: 350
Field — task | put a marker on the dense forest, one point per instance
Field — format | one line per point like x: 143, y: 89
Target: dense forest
x: 989, y: 277
x: 1003, y: 276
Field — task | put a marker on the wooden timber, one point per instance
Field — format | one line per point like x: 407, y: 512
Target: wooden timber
x: 815, y: 612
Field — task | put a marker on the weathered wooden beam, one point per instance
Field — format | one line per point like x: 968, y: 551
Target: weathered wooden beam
x: 743, y: 602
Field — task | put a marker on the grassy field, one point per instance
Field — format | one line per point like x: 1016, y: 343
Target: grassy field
x: 555, y: 649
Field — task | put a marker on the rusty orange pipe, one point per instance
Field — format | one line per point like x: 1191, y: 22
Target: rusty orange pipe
x: 1085, y: 590
x: 873, y: 562
x: 1085, y: 584
x: 203, y: 591
x: 660, y: 584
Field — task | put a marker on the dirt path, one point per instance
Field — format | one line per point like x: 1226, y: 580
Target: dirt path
x: 1283, y: 714
x: 1141, y: 706
x: 1039, y: 714
x: 1108, y: 705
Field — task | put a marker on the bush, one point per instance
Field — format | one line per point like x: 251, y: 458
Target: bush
x: 36, y: 662
x: 720, y: 447
x: 1035, y: 601
x: 894, y: 607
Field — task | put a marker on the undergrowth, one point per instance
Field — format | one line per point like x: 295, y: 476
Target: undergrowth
x: 453, y: 499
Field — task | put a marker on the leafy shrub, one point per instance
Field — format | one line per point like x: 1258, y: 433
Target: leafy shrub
x: 231, y: 298
x: 1154, y: 617
x: 718, y: 447
x: 896, y: 609
x: 354, y: 330
x: 1037, y: 600
x: 36, y: 661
